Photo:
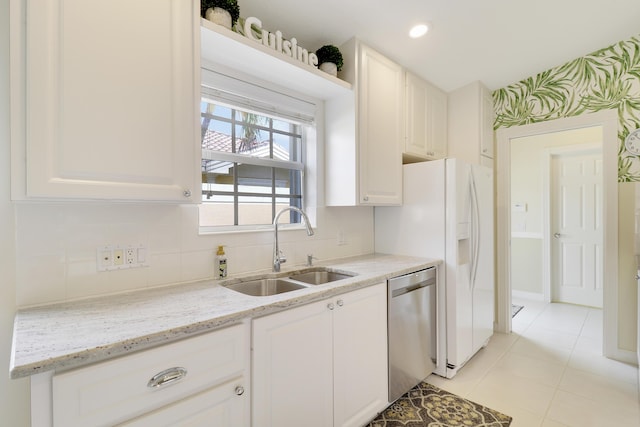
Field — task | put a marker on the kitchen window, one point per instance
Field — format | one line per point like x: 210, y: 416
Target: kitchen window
x: 253, y: 156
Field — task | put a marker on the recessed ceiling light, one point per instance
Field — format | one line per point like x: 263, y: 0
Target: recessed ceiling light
x: 418, y: 31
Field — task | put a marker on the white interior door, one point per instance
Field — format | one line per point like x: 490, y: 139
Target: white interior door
x: 576, y: 226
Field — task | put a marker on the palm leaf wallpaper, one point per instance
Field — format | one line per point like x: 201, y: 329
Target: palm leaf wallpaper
x: 606, y: 79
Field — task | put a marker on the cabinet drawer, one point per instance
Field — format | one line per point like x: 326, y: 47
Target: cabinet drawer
x: 222, y: 406
x: 119, y: 390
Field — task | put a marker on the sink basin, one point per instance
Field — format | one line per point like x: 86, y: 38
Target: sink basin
x: 319, y: 277
x: 265, y: 287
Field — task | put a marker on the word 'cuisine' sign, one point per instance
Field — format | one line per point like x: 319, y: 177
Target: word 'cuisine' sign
x: 277, y: 43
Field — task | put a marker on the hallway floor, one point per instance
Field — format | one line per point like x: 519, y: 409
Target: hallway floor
x: 549, y: 372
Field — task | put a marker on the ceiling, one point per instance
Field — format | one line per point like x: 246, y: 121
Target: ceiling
x: 496, y: 41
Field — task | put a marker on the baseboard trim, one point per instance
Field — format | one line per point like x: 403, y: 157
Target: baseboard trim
x: 527, y: 295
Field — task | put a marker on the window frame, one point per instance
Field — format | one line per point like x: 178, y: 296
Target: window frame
x: 269, y: 102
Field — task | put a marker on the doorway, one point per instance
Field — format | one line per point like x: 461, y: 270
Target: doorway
x: 573, y: 215
x: 608, y: 121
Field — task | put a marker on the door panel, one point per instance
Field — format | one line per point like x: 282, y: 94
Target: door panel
x: 576, y: 224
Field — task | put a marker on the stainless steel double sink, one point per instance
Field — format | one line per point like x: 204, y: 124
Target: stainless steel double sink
x: 296, y: 280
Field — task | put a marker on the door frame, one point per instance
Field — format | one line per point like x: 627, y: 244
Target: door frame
x: 547, y: 182
x: 608, y: 119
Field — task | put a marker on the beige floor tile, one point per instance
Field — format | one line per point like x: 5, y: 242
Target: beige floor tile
x: 521, y: 417
x: 550, y: 372
x: 593, y: 324
x: 551, y: 423
x: 570, y: 321
x: 551, y: 337
x: 540, y: 350
x: 579, y: 411
x: 599, y: 365
x: 530, y: 368
x: 589, y: 345
x: 455, y: 385
x: 501, y: 388
x: 602, y: 389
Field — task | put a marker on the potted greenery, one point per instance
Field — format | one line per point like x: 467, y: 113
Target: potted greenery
x: 222, y: 12
x: 329, y: 59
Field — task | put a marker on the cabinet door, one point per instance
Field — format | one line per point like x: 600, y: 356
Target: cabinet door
x: 112, y: 95
x: 380, y: 111
x: 360, y: 355
x: 487, y: 117
x: 437, y: 140
x: 223, y: 406
x: 292, y: 368
x: 416, y: 117
x: 426, y: 119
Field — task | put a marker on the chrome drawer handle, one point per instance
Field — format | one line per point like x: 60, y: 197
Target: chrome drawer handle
x: 340, y: 303
x: 167, y: 377
x: 239, y: 390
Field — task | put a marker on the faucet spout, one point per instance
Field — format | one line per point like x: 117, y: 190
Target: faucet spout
x: 278, y: 257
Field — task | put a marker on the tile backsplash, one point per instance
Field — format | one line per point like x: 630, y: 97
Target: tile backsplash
x: 56, y: 246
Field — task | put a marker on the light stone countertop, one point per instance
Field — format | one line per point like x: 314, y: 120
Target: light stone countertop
x: 69, y: 335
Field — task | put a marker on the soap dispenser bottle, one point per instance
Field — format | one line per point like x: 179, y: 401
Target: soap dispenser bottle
x: 221, y: 263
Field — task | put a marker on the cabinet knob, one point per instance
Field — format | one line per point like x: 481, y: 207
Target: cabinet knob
x: 330, y: 306
x: 365, y: 198
x: 340, y: 303
x: 187, y: 193
x: 239, y: 390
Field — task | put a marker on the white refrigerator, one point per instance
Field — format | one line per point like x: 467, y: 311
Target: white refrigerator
x: 447, y: 213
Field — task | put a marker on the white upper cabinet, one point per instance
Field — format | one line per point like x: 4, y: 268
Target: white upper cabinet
x: 110, y: 95
x: 471, y: 118
x: 426, y: 121
x: 365, y: 131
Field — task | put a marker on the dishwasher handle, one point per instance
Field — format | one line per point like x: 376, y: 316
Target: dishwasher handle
x: 407, y: 289
x: 410, y: 282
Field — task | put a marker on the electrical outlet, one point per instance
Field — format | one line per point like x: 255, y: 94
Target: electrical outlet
x: 130, y: 256
x: 118, y: 256
x: 104, y: 257
x: 121, y: 257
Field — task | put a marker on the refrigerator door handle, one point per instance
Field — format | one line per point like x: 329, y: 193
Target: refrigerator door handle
x: 475, y: 225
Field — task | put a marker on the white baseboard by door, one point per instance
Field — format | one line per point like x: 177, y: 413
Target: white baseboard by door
x: 527, y: 295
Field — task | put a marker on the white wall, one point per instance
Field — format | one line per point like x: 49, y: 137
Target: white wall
x: 627, y: 267
x: 56, y: 246
x: 14, y: 394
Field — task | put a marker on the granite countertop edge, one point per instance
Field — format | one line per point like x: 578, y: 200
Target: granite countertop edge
x: 73, y: 334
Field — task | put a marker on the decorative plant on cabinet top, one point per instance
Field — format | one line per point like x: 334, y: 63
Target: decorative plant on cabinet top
x: 327, y: 55
x: 223, y: 12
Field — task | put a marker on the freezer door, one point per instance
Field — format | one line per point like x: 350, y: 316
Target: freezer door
x: 483, y: 287
x: 459, y: 314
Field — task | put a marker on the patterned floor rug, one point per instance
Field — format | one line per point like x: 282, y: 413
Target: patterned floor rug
x: 428, y: 406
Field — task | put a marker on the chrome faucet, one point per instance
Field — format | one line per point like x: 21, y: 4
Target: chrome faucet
x: 278, y: 257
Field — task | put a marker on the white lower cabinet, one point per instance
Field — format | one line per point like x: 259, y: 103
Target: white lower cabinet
x: 200, y: 381
x: 322, y: 364
x: 218, y: 406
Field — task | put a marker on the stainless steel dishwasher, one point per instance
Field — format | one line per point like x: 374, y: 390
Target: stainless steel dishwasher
x: 411, y: 306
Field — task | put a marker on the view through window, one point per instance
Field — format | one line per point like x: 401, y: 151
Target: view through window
x: 252, y: 166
